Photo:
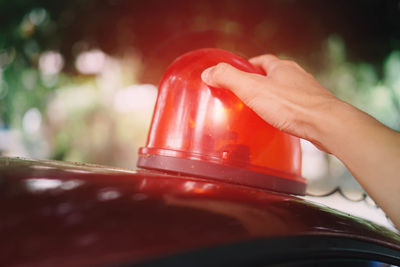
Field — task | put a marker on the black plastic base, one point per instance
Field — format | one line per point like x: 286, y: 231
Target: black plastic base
x: 220, y: 172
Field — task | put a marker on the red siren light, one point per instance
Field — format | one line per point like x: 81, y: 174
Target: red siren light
x: 208, y: 132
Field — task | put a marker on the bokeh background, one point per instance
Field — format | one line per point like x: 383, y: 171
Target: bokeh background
x: 78, y: 78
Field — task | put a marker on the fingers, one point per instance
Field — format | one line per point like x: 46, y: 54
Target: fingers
x: 244, y: 84
x: 266, y: 62
x: 226, y: 76
x: 269, y: 62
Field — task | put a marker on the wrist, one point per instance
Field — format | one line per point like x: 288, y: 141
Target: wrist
x: 328, y: 127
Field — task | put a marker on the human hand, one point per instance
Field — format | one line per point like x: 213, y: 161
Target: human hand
x: 288, y: 97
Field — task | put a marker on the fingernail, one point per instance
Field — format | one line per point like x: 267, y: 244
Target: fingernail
x: 205, y: 75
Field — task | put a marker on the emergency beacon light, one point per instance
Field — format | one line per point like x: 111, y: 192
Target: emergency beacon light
x: 208, y: 132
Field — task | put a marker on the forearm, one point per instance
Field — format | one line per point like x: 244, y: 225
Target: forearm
x: 370, y: 150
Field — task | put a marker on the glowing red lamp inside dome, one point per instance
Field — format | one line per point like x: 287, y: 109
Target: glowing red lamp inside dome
x: 208, y: 132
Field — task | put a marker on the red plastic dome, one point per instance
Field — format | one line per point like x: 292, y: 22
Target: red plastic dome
x: 208, y: 132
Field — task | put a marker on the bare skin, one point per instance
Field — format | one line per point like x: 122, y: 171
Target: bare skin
x: 290, y: 99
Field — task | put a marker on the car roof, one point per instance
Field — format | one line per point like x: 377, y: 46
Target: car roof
x: 62, y: 213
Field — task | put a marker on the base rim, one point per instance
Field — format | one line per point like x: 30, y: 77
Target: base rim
x: 220, y: 172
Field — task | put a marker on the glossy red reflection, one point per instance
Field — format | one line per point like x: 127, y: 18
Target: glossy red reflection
x: 209, y: 132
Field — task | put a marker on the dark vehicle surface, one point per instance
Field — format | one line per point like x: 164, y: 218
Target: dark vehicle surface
x: 68, y: 214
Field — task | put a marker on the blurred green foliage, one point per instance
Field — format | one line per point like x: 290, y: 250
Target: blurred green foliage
x: 359, y: 83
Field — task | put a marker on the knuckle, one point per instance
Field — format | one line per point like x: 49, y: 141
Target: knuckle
x: 292, y: 63
x: 273, y: 66
x: 265, y: 58
x: 221, y: 69
x: 269, y: 57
